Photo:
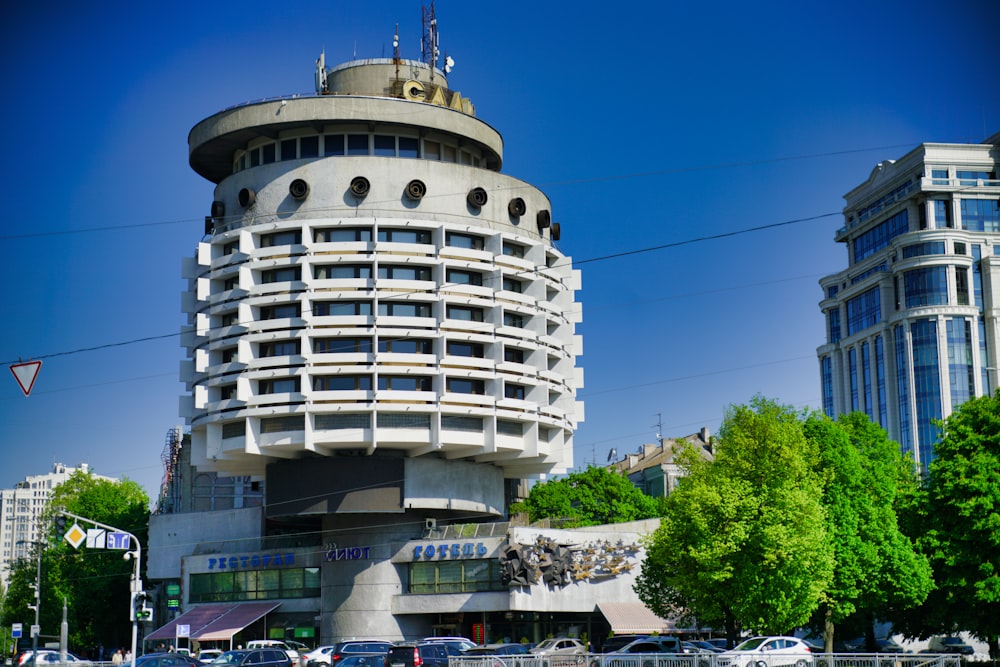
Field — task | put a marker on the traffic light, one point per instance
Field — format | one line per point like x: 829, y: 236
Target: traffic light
x: 60, y: 527
x: 141, y: 609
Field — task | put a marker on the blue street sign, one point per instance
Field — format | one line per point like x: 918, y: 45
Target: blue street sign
x: 118, y: 540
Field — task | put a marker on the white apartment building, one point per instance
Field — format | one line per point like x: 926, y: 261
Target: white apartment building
x: 20, y: 508
x: 912, y: 322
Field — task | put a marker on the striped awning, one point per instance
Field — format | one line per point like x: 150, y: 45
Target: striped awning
x: 633, y: 618
x: 215, y: 622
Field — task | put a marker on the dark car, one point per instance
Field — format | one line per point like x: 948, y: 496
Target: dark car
x: 258, y: 657
x: 167, y: 660
x: 344, y: 649
x: 363, y: 660
x: 420, y: 654
x: 497, y: 649
x: 615, y: 642
x: 888, y: 646
x: 656, y: 644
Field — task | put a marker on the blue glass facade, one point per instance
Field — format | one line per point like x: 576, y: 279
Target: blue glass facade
x: 852, y: 357
x: 926, y: 386
x: 863, y: 311
x: 866, y: 378
x: 984, y: 359
x: 883, y: 413
x: 961, y: 375
x: 926, y: 287
x: 878, y: 237
x: 826, y: 372
x: 980, y: 215
x: 833, y: 325
x: 903, y: 389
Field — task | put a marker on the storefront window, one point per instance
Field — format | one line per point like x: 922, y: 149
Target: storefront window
x: 242, y: 585
x: 456, y: 576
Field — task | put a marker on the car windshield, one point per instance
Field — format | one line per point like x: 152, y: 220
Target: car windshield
x: 951, y: 640
x: 751, y: 644
x: 229, y: 658
x: 548, y: 643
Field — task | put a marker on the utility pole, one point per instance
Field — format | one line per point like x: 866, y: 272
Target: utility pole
x: 36, y: 628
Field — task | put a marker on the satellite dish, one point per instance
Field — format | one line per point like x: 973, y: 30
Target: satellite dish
x: 449, y: 64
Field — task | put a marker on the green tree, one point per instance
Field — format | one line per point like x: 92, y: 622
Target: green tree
x: 959, y: 518
x: 593, y: 497
x: 93, y: 583
x: 743, y: 541
x: 877, y: 569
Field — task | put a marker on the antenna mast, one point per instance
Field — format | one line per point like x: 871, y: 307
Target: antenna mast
x: 429, y: 41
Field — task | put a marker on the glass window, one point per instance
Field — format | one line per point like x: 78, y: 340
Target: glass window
x: 926, y: 287
x: 959, y: 248
x: 463, y: 348
x: 513, y: 354
x: 833, y: 325
x: 448, y: 153
x: 973, y: 177
x: 927, y: 387
x: 404, y: 309
x: 513, y: 249
x: 942, y: 213
x: 863, y: 311
x: 279, y: 348
x: 357, y: 144
x: 961, y: 374
x: 406, y: 345
x: 514, y: 320
x: 267, y: 153
x: 254, y: 157
x: 282, y: 424
x: 308, y: 147
x: 405, y: 382
x: 342, y: 271
x: 511, y: 390
x: 342, y: 420
x: 278, y: 385
x: 469, y: 241
x: 281, y: 275
x: 342, y: 382
x: 826, y: 370
x: 279, y: 311
x: 940, y: 176
x: 432, y: 150
x: 880, y: 236
x: 408, y: 147
x: 903, y: 389
x: 288, y: 237
x: 463, y: 277
x: 385, y: 145
x: 462, y: 423
x: 467, y: 313
x: 962, y: 285
x: 513, y: 285
x: 343, y: 235
x: 920, y: 249
x: 404, y: 272
x: 466, y: 386
x: 288, y: 149
x: 337, y: 308
x: 981, y: 215
x: 333, y: 144
x: 405, y: 235
x: 342, y: 345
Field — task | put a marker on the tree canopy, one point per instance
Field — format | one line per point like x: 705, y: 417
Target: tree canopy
x: 877, y: 569
x: 743, y: 540
x: 93, y: 583
x: 958, y: 526
x: 593, y: 497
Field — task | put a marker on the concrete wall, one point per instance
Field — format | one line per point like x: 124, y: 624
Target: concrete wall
x: 174, y: 536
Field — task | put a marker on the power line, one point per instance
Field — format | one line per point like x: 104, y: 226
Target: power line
x: 438, y: 288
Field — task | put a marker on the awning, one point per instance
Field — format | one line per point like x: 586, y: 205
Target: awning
x: 634, y: 618
x: 215, y: 622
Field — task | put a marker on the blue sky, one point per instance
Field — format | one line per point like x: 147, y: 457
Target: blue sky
x: 649, y: 125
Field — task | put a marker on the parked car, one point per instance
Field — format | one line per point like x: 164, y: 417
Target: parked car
x: 653, y: 644
x: 615, y: 642
x: 889, y: 646
x: 497, y: 649
x: 458, y: 643
x: 47, y: 656
x: 166, y: 660
x: 721, y: 642
x: 209, y: 654
x: 950, y: 644
x: 319, y: 656
x: 275, y: 643
x: 698, y: 646
x: 343, y: 649
x: 258, y: 657
x: 767, y: 652
x: 420, y: 654
x: 363, y: 660
x: 559, y: 646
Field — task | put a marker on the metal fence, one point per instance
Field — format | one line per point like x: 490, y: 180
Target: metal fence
x: 712, y: 660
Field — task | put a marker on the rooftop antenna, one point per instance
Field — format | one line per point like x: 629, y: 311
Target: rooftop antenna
x: 395, y: 50
x: 429, y: 42
x: 659, y: 427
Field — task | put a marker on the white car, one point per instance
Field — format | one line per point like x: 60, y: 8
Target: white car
x: 274, y: 643
x: 767, y: 652
x: 209, y: 654
x: 560, y: 646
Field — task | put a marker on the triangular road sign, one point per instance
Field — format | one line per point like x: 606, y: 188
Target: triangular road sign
x: 25, y: 374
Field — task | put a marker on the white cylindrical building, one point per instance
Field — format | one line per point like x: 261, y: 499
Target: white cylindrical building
x: 379, y: 321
